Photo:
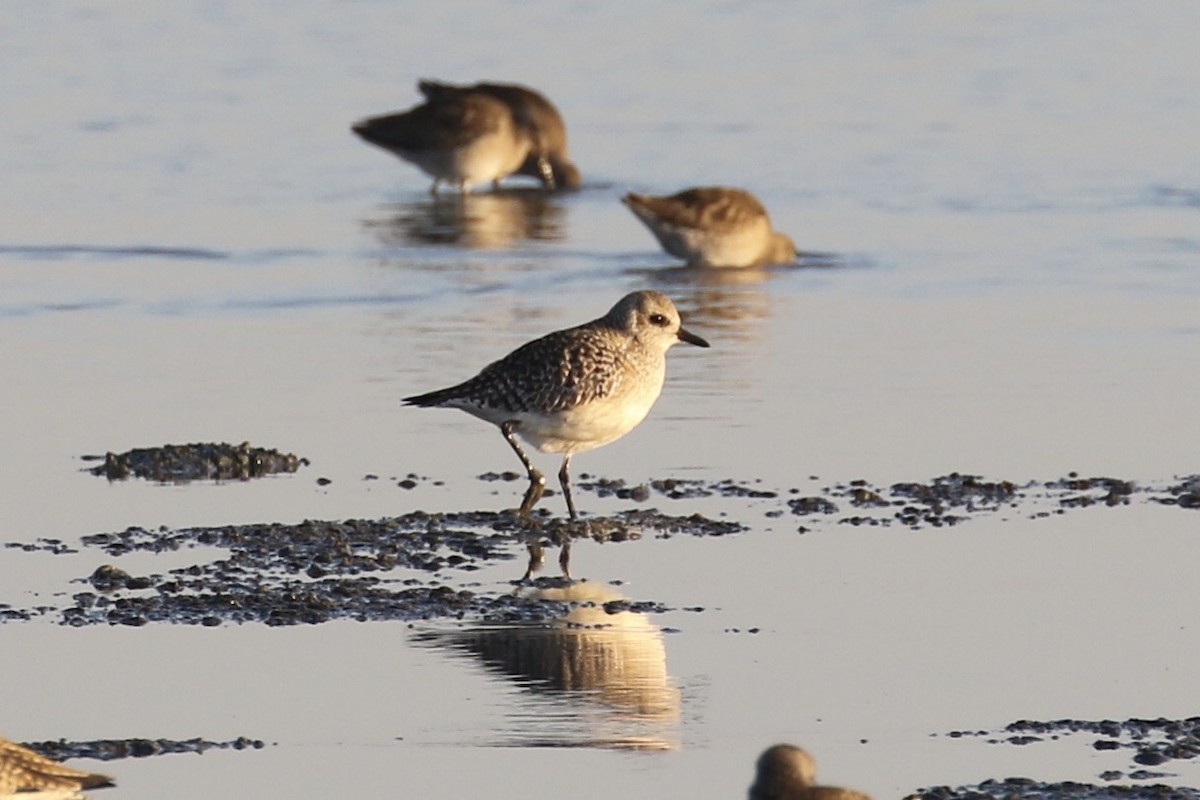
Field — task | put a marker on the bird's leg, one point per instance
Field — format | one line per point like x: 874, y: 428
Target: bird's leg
x: 537, y: 555
x: 564, y: 480
x: 433, y: 190
x: 537, y: 481
x: 564, y: 556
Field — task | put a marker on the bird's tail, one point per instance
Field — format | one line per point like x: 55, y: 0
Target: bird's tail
x: 430, y: 399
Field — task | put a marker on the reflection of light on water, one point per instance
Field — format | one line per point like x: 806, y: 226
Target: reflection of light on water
x: 737, y: 311
x: 483, y: 221
x: 604, y: 675
x: 731, y: 300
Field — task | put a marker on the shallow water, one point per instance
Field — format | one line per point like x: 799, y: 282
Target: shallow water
x: 195, y: 248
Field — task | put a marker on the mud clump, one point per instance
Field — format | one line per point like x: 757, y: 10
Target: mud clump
x: 673, y: 488
x: 604, y: 487
x: 195, y: 462
x: 803, y: 506
x: 113, y: 749
x: 1109, y: 491
x: 108, y: 578
x: 665, y: 526
x: 10, y: 614
x: 1185, y: 494
x: 929, y: 503
x: 507, y: 475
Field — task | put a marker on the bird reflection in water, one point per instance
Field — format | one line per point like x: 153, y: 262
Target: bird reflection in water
x: 733, y: 301
x: 536, y: 546
x: 492, y: 221
x: 605, y: 673
x: 559, y: 533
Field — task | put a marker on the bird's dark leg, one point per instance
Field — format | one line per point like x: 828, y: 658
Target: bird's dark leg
x: 537, y: 481
x: 537, y: 555
x: 564, y: 556
x: 564, y: 480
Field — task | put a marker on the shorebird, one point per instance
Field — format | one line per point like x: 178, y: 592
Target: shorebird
x: 713, y: 226
x: 22, y: 770
x: 534, y: 115
x: 468, y: 135
x: 786, y: 772
x: 574, y: 389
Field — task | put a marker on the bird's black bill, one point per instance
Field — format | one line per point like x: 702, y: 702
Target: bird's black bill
x: 691, y: 338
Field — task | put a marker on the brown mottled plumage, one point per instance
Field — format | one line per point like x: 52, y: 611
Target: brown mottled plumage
x: 574, y: 389
x: 713, y: 226
x: 23, y: 770
x: 534, y: 114
x: 478, y: 134
x: 787, y: 772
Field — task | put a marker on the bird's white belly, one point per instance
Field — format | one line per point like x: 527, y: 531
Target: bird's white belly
x: 588, y: 426
x: 486, y: 159
x: 739, y: 247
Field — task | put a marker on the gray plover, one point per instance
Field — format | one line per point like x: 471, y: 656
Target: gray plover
x: 574, y: 389
x: 468, y: 135
x: 787, y: 772
x: 713, y: 226
x: 22, y: 770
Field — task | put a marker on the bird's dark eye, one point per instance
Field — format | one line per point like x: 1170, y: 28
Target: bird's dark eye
x: 659, y: 320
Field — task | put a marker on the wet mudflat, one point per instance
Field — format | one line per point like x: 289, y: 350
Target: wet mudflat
x: 926, y: 506
x: 554, y: 632
x: 417, y: 566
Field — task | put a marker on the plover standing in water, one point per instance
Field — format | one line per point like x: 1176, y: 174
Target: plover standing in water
x: 536, y: 117
x: 713, y: 226
x: 23, y: 770
x: 575, y: 389
x: 787, y: 772
x: 468, y: 135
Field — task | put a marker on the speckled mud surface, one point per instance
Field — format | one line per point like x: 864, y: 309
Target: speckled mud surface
x: 397, y: 568
x: 947, y: 500
x: 404, y: 567
x: 1151, y: 742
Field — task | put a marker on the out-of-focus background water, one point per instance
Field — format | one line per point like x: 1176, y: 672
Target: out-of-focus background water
x: 194, y: 247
